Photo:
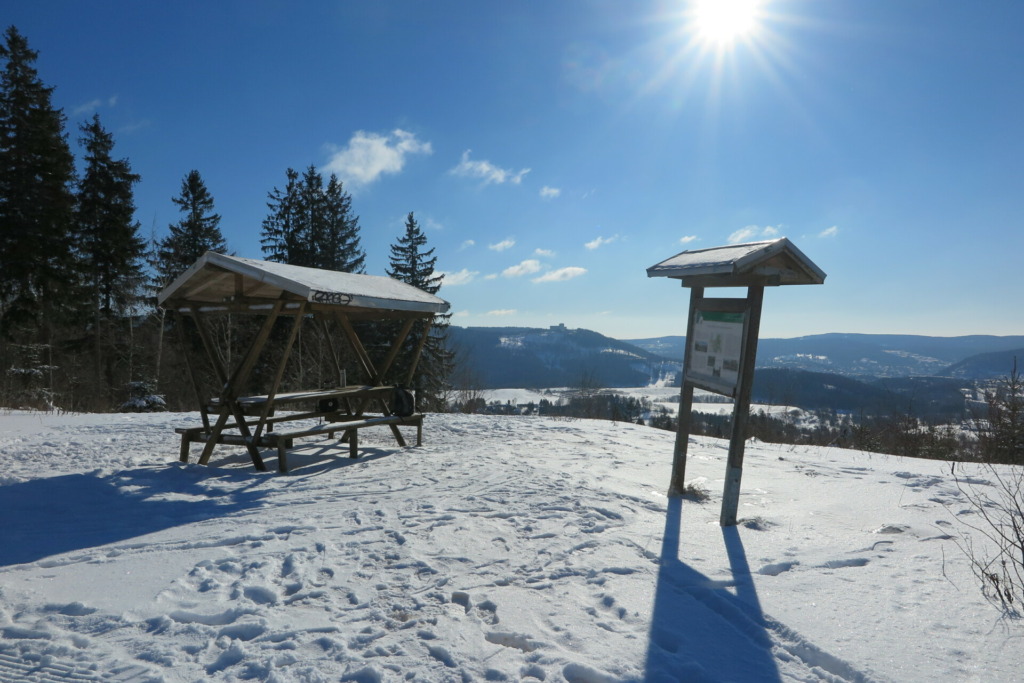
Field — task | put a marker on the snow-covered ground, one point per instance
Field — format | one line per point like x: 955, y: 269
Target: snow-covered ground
x: 503, y: 549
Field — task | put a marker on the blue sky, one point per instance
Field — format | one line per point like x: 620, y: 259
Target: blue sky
x: 552, y: 151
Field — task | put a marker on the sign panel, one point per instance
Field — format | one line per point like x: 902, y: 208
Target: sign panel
x: 715, y: 349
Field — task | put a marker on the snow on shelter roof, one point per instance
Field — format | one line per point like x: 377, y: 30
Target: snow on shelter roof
x: 217, y: 280
x: 772, y: 262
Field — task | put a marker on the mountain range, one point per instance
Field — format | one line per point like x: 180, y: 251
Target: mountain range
x: 497, y: 357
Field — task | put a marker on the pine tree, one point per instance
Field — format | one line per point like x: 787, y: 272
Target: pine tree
x: 109, y: 245
x: 36, y: 197
x: 197, y: 232
x: 309, y: 225
x: 340, y: 249
x: 110, y: 252
x: 412, y: 265
x: 279, y: 238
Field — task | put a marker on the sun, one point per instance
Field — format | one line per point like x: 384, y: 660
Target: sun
x: 723, y: 22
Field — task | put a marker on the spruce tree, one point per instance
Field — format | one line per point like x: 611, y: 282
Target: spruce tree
x: 197, y: 232
x: 410, y: 263
x: 310, y: 225
x: 110, y: 257
x: 36, y: 197
x: 109, y: 246
x: 340, y: 249
x: 279, y: 236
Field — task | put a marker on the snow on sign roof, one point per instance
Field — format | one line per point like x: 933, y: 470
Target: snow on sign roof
x: 772, y: 262
x: 217, y: 279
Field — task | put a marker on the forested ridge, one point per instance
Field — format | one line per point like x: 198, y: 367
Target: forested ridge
x: 79, y: 326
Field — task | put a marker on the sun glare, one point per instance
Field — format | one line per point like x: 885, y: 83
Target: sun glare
x: 723, y: 22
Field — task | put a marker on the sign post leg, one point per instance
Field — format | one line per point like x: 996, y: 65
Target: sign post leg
x: 677, y: 486
x: 741, y: 412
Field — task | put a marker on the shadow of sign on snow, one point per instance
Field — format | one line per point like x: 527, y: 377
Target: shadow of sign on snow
x: 54, y: 515
x: 701, y: 630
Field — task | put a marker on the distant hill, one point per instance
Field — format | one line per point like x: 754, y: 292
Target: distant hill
x: 874, y: 355
x: 992, y: 365
x: 919, y: 396
x: 501, y: 357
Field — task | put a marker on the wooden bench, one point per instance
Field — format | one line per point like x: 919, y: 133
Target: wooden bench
x: 283, y: 440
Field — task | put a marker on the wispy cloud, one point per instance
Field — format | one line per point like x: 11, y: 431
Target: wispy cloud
x: 753, y: 232
x: 502, y: 311
x: 502, y: 245
x: 486, y: 171
x: 460, y: 314
x: 467, y: 244
x: 491, y: 276
x: 543, y: 253
x: 550, y: 192
x: 459, y: 277
x: 527, y: 267
x: 687, y: 239
x: 93, y: 105
x: 368, y: 156
x: 829, y: 232
x: 561, y: 275
x: 600, y: 241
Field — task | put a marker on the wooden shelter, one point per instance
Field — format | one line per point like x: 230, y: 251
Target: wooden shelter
x: 721, y: 337
x: 218, y: 284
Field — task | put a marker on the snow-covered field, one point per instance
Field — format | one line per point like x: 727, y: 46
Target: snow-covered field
x: 504, y: 549
x: 659, y: 396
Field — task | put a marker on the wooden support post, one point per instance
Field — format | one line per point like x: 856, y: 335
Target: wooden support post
x: 268, y: 406
x: 211, y: 350
x: 229, y: 404
x: 677, y: 484
x: 396, y: 346
x: 179, y: 324
x: 358, y: 348
x: 741, y: 411
x: 427, y: 324
x: 332, y: 350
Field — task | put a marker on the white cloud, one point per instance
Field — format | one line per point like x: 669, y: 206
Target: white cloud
x: 549, y: 192
x: 461, y: 314
x: 829, y: 232
x: 86, y: 108
x: 753, y: 232
x: 492, y: 276
x: 467, y: 244
x: 561, y: 275
x: 459, y: 277
x: 95, y: 104
x: 487, y: 171
x: 502, y: 245
x: 368, y: 156
x: 543, y: 253
x: 687, y: 239
x: 600, y: 241
x: 502, y: 311
x: 527, y: 267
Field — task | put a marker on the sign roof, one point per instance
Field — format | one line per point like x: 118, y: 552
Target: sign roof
x: 771, y: 262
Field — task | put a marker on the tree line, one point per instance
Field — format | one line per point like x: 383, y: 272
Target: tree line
x: 79, y: 325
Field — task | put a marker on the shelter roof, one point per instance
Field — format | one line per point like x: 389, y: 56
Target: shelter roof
x: 772, y: 262
x: 220, y: 281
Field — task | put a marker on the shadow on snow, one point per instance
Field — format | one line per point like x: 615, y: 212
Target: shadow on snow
x: 54, y: 515
x: 700, y: 629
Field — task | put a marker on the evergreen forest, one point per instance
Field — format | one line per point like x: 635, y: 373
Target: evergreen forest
x: 79, y: 326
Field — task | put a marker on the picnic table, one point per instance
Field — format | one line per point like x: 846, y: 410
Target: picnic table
x: 219, y: 284
x: 331, y: 410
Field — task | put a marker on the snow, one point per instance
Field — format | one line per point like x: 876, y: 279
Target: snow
x: 506, y: 548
